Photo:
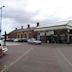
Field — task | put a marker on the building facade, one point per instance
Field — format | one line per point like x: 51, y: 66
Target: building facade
x: 55, y: 34
x: 23, y: 33
x: 60, y: 33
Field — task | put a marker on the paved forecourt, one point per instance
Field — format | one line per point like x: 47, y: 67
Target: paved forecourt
x: 38, y: 58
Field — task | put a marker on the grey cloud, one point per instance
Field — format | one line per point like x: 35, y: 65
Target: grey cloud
x: 50, y: 20
x: 24, y: 17
x: 19, y: 15
x: 69, y: 18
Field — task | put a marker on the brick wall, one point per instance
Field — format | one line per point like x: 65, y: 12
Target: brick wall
x: 22, y: 34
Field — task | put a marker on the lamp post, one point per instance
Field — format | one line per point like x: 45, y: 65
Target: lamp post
x: 1, y: 18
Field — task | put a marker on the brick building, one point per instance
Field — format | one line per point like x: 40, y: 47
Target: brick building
x: 23, y: 33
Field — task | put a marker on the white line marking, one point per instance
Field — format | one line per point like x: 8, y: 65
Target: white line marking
x: 59, y: 51
x: 18, y: 59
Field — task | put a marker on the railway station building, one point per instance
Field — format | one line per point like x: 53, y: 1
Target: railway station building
x: 61, y: 32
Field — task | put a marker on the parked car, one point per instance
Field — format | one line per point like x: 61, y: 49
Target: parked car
x: 3, y: 47
x: 15, y: 40
x: 34, y: 41
x: 20, y: 40
x: 10, y: 40
x: 23, y: 40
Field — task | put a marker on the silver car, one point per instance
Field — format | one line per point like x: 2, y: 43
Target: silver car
x: 34, y: 41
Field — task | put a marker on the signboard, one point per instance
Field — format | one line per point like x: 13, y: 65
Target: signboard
x: 49, y: 32
x: 42, y: 33
x: 46, y: 33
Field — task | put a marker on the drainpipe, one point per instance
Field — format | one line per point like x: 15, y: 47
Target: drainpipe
x: 68, y: 40
x: 45, y: 38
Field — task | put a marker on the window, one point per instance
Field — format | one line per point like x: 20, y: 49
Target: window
x: 25, y: 36
x: 30, y: 35
x: 18, y: 36
x: 21, y: 35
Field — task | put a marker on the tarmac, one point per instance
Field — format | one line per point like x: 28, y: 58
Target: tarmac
x: 23, y: 57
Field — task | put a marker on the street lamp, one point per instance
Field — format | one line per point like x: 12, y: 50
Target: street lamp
x: 1, y: 19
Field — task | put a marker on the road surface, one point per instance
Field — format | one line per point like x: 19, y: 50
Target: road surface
x: 25, y: 57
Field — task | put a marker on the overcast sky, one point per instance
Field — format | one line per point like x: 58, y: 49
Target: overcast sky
x: 22, y: 12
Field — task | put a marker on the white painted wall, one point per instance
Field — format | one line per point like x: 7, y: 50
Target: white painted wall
x: 49, y: 33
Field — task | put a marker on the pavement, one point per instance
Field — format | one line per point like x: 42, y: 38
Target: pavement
x: 12, y: 43
x: 23, y: 57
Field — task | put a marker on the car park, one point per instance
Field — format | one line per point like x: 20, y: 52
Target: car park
x: 34, y: 41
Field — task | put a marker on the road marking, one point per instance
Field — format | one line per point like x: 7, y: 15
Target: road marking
x: 60, y: 52
x: 18, y: 59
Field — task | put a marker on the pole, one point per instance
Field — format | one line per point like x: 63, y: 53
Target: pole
x: 1, y: 19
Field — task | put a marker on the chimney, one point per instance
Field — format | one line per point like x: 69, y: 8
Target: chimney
x: 15, y: 28
x: 28, y: 26
x: 37, y: 24
x: 21, y: 27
